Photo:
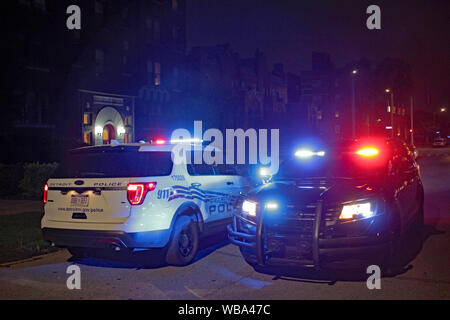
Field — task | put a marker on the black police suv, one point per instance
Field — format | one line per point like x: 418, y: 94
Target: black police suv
x: 341, y: 206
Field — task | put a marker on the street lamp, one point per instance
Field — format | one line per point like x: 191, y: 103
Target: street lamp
x: 443, y: 109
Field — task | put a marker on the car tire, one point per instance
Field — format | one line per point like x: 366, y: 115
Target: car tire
x: 184, y: 244
x: 78, y: 252
x: 392, y: 264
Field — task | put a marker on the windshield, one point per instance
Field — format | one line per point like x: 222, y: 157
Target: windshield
x: 335, y: 163
x: 117, y: 162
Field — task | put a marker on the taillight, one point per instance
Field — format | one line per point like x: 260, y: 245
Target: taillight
x: 136, y: 192
x: 45, y: 193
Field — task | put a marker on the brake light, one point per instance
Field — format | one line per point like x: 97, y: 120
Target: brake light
x: 136, y: 192
x: 368, y: 152
x: 45, y: 193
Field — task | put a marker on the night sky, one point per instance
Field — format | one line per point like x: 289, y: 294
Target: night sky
x: 288, y: 31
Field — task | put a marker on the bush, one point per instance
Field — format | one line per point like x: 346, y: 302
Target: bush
x: 10, y: 176
x: 35, y: 175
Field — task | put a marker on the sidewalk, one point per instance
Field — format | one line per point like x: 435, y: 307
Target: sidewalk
x: 433, y: 152
x: 20, y: 206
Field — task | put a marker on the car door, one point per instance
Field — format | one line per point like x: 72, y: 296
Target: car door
x: 405, y: 175
x: 208, y: 188
x: 410, y: 174
x: 233, y: 184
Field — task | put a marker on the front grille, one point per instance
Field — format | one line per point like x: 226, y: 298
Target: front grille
x: 291, y: 234
x: 331, y: 214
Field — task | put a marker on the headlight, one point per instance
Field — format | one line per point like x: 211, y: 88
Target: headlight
x: 357, y: 211
x: 249, y: 207
x: 271, y: 205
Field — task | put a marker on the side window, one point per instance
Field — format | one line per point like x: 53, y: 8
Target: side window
x: 225, y: 170
x: 200, y: 169
x: 404, y: 157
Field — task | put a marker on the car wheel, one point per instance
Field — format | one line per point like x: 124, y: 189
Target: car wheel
x: 78, y: 252
x: 392, y: 263
x: 183, y: 246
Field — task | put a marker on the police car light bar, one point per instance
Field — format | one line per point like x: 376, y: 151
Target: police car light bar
x: 160, y: 141
x: 306, y: 153
x: 368, y: 152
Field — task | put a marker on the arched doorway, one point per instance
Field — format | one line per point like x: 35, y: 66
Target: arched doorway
x: 109, y: 133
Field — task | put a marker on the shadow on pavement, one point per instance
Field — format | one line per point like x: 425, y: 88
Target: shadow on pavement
x: 145, y: 259
x: 411, y: 247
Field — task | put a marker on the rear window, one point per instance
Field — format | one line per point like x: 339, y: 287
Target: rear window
x: 114, y: 162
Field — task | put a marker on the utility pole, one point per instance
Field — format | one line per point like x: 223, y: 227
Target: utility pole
x: 354, y: 72
x: 391, y: 110
x: 392, y: 113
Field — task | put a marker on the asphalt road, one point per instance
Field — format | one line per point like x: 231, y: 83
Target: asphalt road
x: 221, y: 273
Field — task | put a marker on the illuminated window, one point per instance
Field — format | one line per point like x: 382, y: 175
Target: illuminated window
x: 157, y: 73
x: 127, y: 121
x: 126, y: 138
x: 87, y: 118
x: 174, y: 4
x: 87, y: 138
x: 336, y: 114
x: 319, y: 115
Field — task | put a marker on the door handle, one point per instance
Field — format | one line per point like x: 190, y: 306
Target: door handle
x: 230, y: 183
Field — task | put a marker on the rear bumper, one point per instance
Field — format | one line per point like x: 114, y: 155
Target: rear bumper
x: 106, y: 239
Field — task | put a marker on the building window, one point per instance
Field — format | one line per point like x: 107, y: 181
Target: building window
x: 175, y: 33
x: 25, y: 2
x: 175, y: 76
x: 149, y: 66
x: 98, y: 7
x: 40, y: 4
x: 149, y: 24
x: 125, y: 13
x: 126, y: 138
x: 157, y: 73
x: 156, y: 31
x: 126, y: 45
x: 86, y: 118
x: 174, y: 4
x: 125, y: 60
x: 87, y: 137
x: 99, y: 61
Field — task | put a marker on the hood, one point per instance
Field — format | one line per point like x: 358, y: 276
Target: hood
x: 306, y: 192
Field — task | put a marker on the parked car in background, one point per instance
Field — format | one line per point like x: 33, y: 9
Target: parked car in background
x: 439, y: 142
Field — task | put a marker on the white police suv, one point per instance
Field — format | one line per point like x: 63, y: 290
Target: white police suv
x: 134, y: 196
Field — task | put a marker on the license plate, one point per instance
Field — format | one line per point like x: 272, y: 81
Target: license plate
x: 80, y: 200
